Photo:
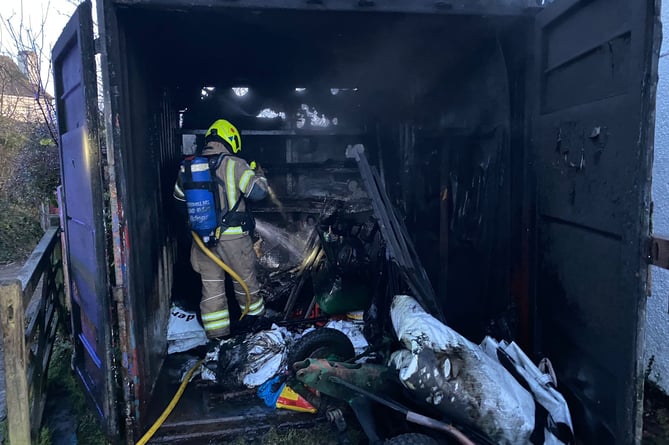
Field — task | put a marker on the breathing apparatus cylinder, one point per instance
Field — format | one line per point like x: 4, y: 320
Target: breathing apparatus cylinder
x: 201, y: 197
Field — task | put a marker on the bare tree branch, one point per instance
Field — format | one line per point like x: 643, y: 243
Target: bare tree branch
x: 27, y: 39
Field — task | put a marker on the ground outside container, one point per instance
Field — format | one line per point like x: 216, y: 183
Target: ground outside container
x: 515, y: 137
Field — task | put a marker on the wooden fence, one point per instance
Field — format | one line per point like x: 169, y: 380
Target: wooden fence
x: 30, y: 308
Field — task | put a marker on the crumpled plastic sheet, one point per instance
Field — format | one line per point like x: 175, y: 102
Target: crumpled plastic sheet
x: 541, y: 385
x: 251, y: 361
x: 184, y: 331
x: 444, y: 369
x: 353, y: 331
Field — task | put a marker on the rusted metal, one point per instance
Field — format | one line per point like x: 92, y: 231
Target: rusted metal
x: 659, y: 251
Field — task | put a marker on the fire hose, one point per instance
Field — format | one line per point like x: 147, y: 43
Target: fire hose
x: 149, y: 434
x: 177, y: 396
x: 226, y: 268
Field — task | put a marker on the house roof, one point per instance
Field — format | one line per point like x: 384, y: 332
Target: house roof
x: 12, y: 81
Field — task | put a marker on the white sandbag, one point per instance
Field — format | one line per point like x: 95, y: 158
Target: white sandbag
x: 184, y: 331
x: 444, y: 369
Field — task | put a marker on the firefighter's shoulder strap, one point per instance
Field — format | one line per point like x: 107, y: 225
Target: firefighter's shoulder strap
x: 214, y: 163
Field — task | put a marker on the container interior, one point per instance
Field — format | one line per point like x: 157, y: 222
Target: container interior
x: 437, y: 101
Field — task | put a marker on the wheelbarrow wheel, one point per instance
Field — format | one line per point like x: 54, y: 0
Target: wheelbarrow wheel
x: 326, y: 343
x: 411, y: 439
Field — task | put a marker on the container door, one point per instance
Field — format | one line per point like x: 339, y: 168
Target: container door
x: 592, y: 151
x: 81, y: 172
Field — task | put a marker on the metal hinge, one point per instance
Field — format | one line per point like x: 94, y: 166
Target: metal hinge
x: 658, y: 251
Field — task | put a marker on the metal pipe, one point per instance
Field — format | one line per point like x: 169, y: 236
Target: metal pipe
x: 420, y: 419
x: 410, y: 416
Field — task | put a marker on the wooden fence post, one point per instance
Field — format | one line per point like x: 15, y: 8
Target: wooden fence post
x: 12, y: 315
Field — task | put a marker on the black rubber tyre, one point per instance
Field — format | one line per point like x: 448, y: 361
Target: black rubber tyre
x: 325, y: 343
x: 411, y: 439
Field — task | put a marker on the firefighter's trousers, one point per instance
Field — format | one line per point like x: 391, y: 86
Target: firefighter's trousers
x: 239, y: 255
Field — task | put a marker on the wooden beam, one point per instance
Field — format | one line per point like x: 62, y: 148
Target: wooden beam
x: 16, y: 361
x: 32, y: 270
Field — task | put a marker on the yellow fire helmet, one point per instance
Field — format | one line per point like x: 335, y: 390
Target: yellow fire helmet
x: 224, y: 131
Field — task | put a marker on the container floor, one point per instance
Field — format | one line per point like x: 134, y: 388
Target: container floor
x: 208, y: 414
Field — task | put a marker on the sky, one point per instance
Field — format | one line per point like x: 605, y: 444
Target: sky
x: 32, y: 13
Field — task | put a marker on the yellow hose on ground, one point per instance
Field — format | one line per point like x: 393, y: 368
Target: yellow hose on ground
x: 226, y: 268
x: 149, y: 434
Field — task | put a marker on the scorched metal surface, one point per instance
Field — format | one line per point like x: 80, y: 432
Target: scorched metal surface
x: 593, y: 124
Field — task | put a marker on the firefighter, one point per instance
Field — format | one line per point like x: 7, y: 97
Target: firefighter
x: 235, y: 182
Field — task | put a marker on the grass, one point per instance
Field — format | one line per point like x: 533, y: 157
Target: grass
x: 43, y: 439
x: 64, y: 390
x: 314, y: 435
x: 321, y: 434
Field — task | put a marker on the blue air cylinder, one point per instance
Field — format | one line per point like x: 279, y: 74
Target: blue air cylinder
x: 200, y: 199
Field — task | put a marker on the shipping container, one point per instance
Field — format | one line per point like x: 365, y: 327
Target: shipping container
x: 514, y: 137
